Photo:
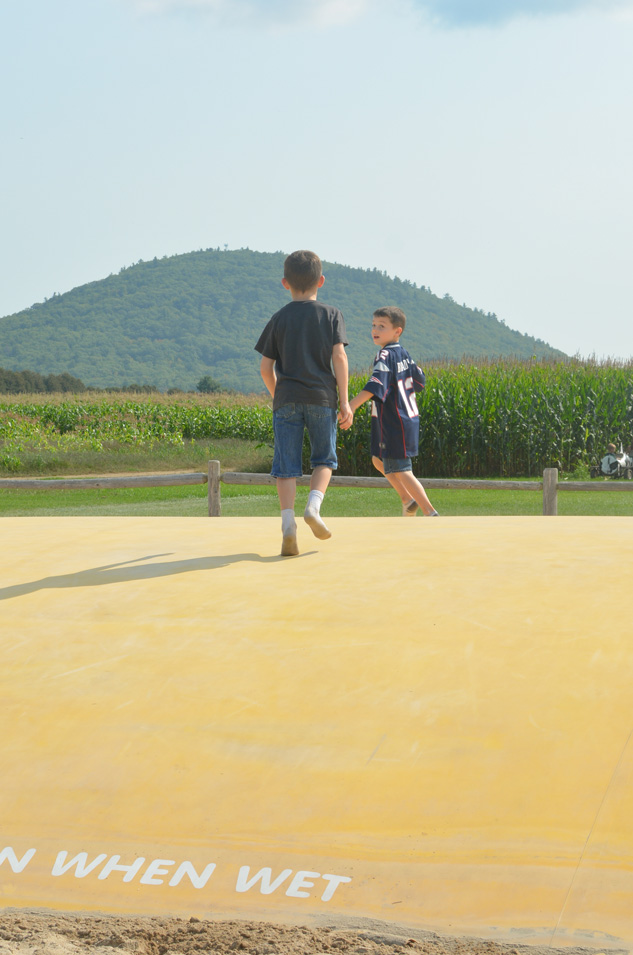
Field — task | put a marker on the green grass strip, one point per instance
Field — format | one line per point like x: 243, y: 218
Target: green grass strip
x: 238, y: 501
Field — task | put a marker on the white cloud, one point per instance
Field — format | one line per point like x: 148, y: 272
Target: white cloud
x: 320, y: 13
x: 333, y: 12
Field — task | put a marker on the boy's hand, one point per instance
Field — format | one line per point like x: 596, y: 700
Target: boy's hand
x: 345, y: 417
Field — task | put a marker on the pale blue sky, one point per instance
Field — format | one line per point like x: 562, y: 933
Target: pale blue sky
x: 483, y: 149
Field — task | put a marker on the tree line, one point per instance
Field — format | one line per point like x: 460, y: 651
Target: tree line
x: 31, y: 382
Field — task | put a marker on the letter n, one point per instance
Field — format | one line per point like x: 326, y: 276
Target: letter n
x: 16, y: 864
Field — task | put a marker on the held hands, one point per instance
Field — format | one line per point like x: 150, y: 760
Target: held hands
x: 345, y: 416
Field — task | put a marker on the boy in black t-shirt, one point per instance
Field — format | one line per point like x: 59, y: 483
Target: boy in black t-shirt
x: 395, y: 420
x: 299, y: 346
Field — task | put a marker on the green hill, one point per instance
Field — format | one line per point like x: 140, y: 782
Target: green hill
x: 171, y: 321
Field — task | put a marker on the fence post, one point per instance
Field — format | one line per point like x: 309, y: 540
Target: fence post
x: 550, y: 492
x: 214, y: 489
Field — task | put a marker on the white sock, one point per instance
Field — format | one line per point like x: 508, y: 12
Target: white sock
x: 312, y: 516
x: 289, y: 547
x: 287, y: 520
x: 315, y: 499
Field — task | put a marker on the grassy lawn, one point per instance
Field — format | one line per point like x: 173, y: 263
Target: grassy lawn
x: 191, y: 501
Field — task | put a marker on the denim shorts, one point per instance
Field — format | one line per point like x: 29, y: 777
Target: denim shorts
x: 392, y: 465
x: 289, y: 423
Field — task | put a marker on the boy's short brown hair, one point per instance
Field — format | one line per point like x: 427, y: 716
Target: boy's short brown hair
x: 302, y: 270
x: 395, y: 315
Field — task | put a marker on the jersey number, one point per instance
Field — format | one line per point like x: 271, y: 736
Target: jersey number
x: 408, y: 397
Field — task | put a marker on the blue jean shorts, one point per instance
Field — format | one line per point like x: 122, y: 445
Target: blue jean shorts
x: 394, y: 465
x: 289, y: 423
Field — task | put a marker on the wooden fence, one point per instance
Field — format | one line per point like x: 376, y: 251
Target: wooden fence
x: 214, y: 479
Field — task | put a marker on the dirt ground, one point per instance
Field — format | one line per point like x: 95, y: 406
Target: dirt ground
x: 38, y: 933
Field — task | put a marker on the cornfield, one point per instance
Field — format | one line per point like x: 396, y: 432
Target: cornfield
x: 478, y: 419
x: 510, y: 419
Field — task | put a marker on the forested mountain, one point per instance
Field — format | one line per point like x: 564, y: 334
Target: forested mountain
x: 171, y: 321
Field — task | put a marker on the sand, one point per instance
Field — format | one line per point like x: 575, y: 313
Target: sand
x: 43, y: 933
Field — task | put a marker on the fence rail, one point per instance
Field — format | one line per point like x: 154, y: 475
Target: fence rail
x: 214, y: 479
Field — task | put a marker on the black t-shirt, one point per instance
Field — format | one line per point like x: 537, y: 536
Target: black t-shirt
x: 300, y: 338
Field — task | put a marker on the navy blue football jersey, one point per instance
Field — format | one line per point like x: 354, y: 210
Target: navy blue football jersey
x: 395, y: 421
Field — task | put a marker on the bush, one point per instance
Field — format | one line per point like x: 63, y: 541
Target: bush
x: 209, y: 385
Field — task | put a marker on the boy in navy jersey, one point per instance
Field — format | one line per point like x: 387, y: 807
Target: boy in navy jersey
x: 395, y: 421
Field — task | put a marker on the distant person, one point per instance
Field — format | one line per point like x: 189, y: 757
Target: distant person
x: 300, y: 346
x: 395, y: 420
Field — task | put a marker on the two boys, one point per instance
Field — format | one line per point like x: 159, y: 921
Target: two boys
x: 304, y: 367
